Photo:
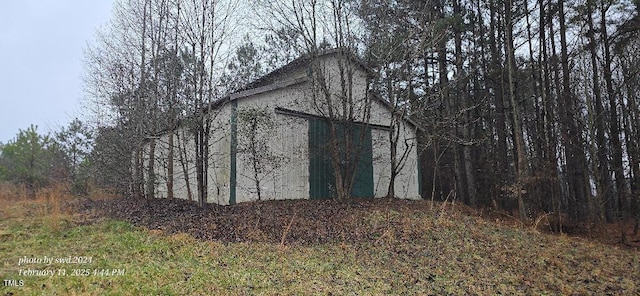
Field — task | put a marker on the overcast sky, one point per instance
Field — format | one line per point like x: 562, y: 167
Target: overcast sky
x: 41, y: 53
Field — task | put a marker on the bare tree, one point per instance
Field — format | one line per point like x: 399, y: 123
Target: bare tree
x: 319, y: 25
x: 255, y: 126
x: 206, y: 24
x: 156, y: 63
x: 115, y: 80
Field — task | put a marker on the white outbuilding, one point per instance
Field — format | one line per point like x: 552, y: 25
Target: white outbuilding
x: 271, y: 139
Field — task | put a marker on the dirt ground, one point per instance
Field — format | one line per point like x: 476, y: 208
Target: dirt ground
x: 304, y: 221
x: 300, y: 221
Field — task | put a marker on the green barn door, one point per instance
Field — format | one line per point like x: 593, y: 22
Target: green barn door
x: 321, y: 177
x: 321, y: 180
x: 363, y: 180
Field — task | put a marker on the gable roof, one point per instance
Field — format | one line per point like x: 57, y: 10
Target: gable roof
x: 304, y: 61
x: 270, y: 82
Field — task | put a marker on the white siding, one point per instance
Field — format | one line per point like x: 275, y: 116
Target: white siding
x: 219, y: 156
x: 181, y: 140
x: 406, y: 183
x: 292, y: 181
x: 184, y: 164
x: 289, y: 139
x: 381, y: 162
x: 330, y: 71
x: 161, y: 166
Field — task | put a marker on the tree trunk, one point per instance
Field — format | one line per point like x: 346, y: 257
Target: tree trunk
x: 393, y: 146
x: 151, y: 175
x: 633, y: 134
x: 619, y: 200
x: 463, y: 93
x: 138, y: 175
x: 170, y: 156
x: 139, y: 163
x: 521, y: 155
x: 184, y: 162
x: 337, y: 158
x: 601, y: 167
x: 549, y: 118
x: 496, y: 83
x: 573, y: 143
x: 200, y: 175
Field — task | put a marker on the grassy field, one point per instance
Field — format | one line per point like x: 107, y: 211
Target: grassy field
x: 443, y: 252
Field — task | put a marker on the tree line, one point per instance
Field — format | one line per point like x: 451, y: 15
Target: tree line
x: 35, y: 160
x: 527, y: 105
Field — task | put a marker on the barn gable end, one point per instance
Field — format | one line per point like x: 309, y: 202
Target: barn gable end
x: 287, y: 126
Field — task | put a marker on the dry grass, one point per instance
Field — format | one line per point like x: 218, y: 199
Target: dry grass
x: 46, y: 206
x: 406, y: 250
x: 11, y: 192
x: 49, y: 205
